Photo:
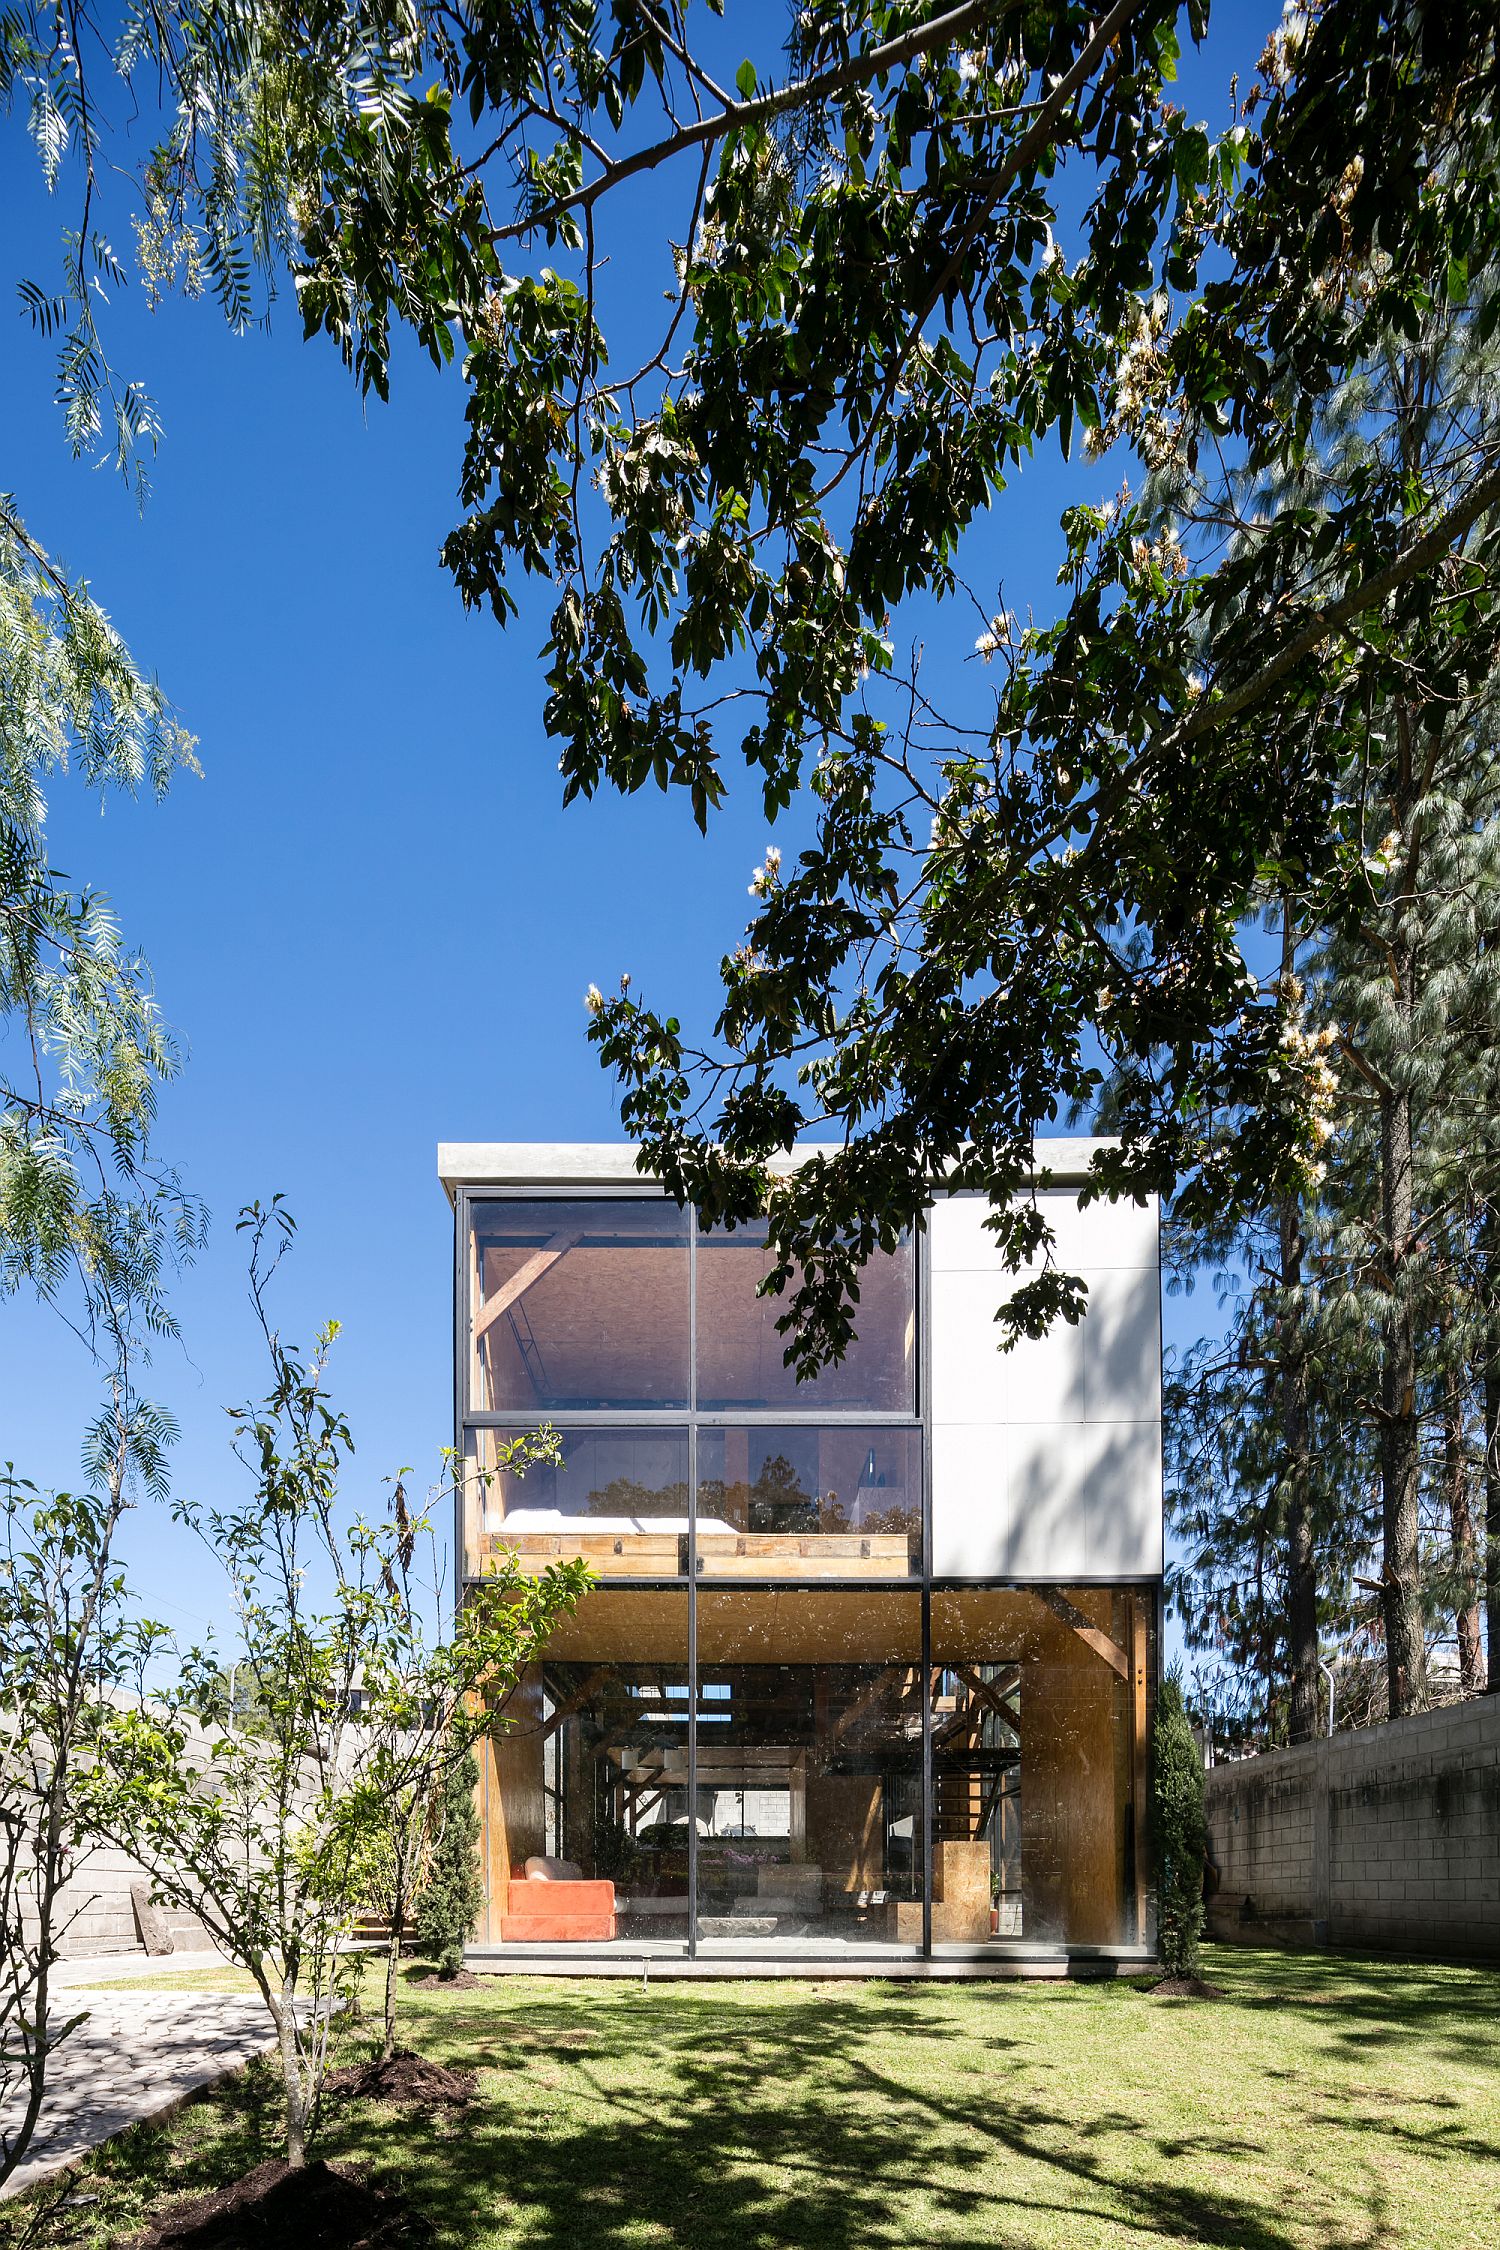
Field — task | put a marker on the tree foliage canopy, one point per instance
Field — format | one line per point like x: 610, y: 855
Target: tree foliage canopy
x: 904, y: 253
x: 84, y: 1045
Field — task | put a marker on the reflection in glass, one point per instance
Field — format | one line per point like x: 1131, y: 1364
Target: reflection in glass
x: 796, y: 1500
x: 618, y: 1497
x: 1039, y: 1731
x: 579, y: 1305
x: 586, y: 1798
x: 809, y: 1798
x: 742, y: 1359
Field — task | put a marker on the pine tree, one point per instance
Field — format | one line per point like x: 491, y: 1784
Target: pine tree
x: 449, y: 1906
x: 1181, y: 1833
x: 1365, y: 1352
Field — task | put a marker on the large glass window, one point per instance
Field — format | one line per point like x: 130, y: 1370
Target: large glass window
x: 771, y: 1798
x: 798, y: 1786
x: 809, y: 1771
x: 1039, y: 1729
x: 742, y: 1358
x: 618, y: 1497
x: 582, y: 1317
x: 803, y: 1500
x: 579, y: 1306
x: 585, y: 1797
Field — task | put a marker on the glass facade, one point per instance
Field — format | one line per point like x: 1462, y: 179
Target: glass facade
x: 617, y: 1496
x: 808, y: 1500
x: 768, y: 1731
x: 578, y: 1306
x: 1040, y: 1714
x: 591, y: 1776
x: 741, y: 1358
x: 584, y: 1311
x: 811, y: 1782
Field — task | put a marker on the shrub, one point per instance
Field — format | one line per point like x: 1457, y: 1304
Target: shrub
x: 450, y: 1899
x: 1181, y: 1836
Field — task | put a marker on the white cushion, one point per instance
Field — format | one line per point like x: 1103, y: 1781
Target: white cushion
x: 542, y: 1870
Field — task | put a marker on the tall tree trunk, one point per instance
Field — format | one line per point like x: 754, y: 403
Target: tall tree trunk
x: 1301, y: 1562
x: 1399, y: 1442
x: 1492, y: 1523
x: 1461, y: 1532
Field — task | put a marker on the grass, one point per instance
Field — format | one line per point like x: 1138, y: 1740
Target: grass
x: 174, y: 1980
x: 1322, y: 2104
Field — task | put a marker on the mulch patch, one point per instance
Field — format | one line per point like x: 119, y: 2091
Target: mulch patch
x: 318, y: 2206
x: 1184, y: 1988
x: 404, y: 2077
x: 463, y: 1981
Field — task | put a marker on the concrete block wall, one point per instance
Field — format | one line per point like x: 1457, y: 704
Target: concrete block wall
x: 99, y: 1913
x: 1386, y: 1837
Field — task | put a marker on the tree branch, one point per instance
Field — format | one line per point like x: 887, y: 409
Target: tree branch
x: 1357, y: 602
x: 1026, y: 151
x: 738, y: 117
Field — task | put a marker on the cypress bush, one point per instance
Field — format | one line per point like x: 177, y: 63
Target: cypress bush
x: 1181, y: 1837
x: 450, y: 1899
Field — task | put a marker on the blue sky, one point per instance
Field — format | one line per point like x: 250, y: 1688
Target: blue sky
x: 370, y: 921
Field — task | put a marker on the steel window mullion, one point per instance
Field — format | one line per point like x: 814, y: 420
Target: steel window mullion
x: 658, y: 1417
x: 929, y: 1812
x: 462, y: 1315
x: 692, y: 1573
x: 922, y: 1282
x: 584, y: 1418
x: 692, y: 1670
x: 767, y: 1417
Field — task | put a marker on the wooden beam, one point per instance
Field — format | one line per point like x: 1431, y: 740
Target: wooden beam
x: 531, y: 1269
x: 996, y: 1693
x: 1139, y: 1645
x: 1101, y: 1644
x: 871, y: 1696
x: 564, y: 1711
x: 982, y: 1693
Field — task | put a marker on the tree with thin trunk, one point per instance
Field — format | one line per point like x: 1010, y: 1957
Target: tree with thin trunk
x: 433, y: 1691
x: 69, y: 1644
x: 259, y: 1814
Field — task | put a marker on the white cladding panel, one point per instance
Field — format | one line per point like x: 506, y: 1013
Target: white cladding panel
x: 1106, y: 1234
x: 1046, y: 1460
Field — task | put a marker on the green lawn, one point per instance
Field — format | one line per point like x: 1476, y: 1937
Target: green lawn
x: 1327, y: 2102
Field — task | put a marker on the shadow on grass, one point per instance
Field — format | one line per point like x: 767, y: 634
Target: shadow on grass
x: 878, y: 2117
x: 216, y: 2135
x: 758, y: 2127
x: 1367, y: 2001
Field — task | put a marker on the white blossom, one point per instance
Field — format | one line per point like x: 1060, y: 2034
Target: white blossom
x: 764, y: 880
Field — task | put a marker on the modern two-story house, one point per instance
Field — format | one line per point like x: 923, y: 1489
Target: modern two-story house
x: 868, y: 1673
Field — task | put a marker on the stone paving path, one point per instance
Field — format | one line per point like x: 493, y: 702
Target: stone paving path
x: 114, y: 1968
x: 138, y: 2055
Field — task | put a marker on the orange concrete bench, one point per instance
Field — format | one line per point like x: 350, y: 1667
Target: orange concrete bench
x: 542, y: 1911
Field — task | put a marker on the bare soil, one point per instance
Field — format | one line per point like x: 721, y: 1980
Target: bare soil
x: 1184, y: 1988
x: 406, y: 2077
x: 464, y: 1980
x: 319, y: 2206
